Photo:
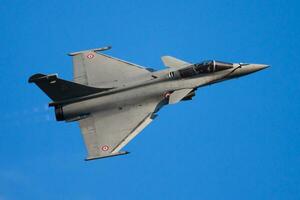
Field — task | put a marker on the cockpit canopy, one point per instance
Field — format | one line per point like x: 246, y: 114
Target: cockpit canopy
x: 212, y: 66
x: 205, y: 67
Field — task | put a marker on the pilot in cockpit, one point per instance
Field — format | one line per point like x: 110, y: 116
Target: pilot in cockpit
x: 204, y: 68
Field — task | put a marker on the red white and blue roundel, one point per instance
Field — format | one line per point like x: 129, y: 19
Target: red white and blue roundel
x: 104, y: 148
x: 90, y: 56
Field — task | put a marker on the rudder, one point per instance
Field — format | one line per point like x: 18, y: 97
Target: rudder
x: 59, y: 89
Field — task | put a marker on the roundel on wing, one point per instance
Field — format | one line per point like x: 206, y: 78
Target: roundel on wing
x: 90, y: 56
x: 104, y: 148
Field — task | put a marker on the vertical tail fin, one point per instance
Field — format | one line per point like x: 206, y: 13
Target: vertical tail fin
x: 59, y: 89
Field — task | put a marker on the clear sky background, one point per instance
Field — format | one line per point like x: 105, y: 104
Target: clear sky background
x: 235, y: 140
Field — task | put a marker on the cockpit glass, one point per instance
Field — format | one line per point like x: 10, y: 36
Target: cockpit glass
x: 205, y: 67
x: 187, y: 72
x: 222, y: 65
x: 212, y: 66
x: 208, y: 66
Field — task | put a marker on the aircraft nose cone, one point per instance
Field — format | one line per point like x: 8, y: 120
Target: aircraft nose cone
x: 257, y: 67
x: 251, y: 68
x: 248, y: 69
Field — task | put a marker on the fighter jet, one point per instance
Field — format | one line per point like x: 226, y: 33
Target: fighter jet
x: 114, y: 100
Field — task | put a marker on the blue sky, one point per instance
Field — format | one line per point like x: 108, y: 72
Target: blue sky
x: 236, y: 140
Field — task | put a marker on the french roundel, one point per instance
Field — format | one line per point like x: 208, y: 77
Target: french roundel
x: 104, y: 148
x: 90, y: 56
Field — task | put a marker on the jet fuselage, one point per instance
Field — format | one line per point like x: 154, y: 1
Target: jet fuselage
x: 147, y: 89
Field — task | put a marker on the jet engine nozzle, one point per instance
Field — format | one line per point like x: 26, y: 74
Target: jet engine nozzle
x: 59, y: 114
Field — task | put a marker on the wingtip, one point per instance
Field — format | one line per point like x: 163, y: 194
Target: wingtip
x: 95, y: 50
x: 106, y: 156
